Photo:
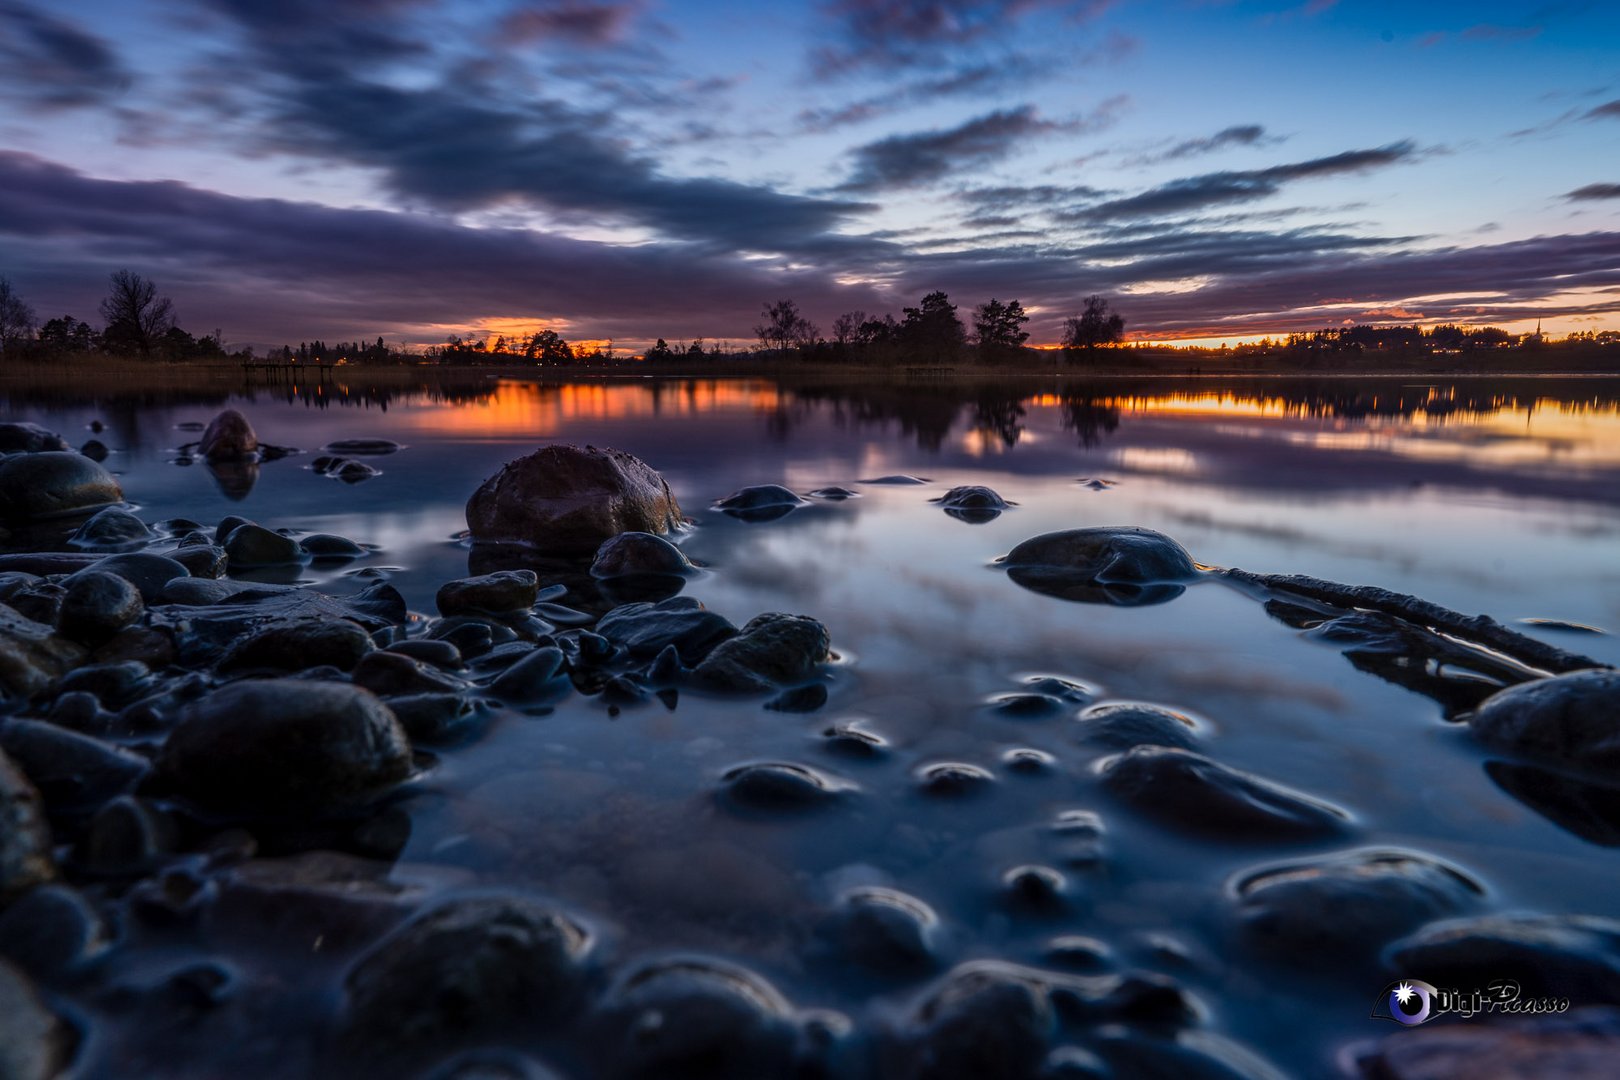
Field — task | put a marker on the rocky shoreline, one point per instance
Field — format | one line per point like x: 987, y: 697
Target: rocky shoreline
x: 185, y: 755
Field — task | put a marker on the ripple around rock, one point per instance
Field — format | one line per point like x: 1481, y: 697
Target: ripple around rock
x: 112, y: 529
x: 1197, y: 795
x: 1346, y: 903
x: 52, y: 484
x: 228, y: 437
x: 695, y: 1017
x: 834, y: 494
x: 1570, y: 956
x: 1122, y: 725
x: 1571, y: 720
x: 851, y: 739
x: 470, y: 967
x: 886, y: 932
x: 1121, y: 565
x: 953, y: 779
x: 286, y: 748
x: 759, y: 497
x: 780, y: 786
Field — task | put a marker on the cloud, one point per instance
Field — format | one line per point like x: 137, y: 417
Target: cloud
x: 572, y: 22
x: 1237, y: 135
x: 901, y: 161
x: 1215, y: 189
x: 1609, y: 110
x: 971, y: 79
x: 1594, y: 192
x: 49, y: 62
x: 890, y: 34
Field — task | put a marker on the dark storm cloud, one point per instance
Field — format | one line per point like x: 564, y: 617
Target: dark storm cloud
x: 909, y: 160
x: 1595, y: 191
x: 578, y: 22
x: 1609, y: 110
x: 47, y: 61
x: 323, y: 271
x: 1215, y: 189
x: 890, y: 34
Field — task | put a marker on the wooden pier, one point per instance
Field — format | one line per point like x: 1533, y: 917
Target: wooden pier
x: 277, y: 371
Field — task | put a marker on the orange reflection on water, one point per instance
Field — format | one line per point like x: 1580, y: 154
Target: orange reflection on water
x: 519, y: 408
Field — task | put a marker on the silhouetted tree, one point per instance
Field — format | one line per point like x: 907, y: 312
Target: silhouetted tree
x: 66, y: 334
x: 784, y: 327
x: 16, y: 319
x: 137, y: 317
x: 1094, y: 326
x: 548, y: 347
x: 931, y: 331
x: 847, y: 329
x: 661, y: 351
x: 999, y: 328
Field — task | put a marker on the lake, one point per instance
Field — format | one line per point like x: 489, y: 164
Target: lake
x: 1487, y: 496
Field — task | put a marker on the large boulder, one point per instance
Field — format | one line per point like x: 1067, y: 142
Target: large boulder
x: 229, y: 437
x: 97, y: 605
x: 1123, y: 565
x: 25, y: 438
x: 286, y: 748
x: 25, y: 839
x: 36, y: 487
x: 1571, y: 720
x: 566, y: 500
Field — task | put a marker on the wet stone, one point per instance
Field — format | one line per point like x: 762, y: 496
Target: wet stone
x: 113, y: 685
x: 146, y: 571
x: 344, y: 901
x: 1582, y: 1044
x: 25, y: 838
x: 834, y: 494
x: 1193, y: 793
x: 202, y: 560
x: 1126, y: 566
x: 500, y: 593
x: 31, y: 655
x: 228, y: 437
x: 1571, y: 720
x: 886, y: 932
x: 764, y: 502
x: 1079, y: 953
x: 436, y: 719
x: 973, y: 498
x: 37, y: 487
x: 441, y: 654
x: 1027, y: 761
x: 851, y: 739
x: 780, y: 786
x: 252, y: 545
x: 112, y: 529
x: 40, y: 601
x: 1038, y: 890
x: 537, y: 678
x: 300, y: 645
x: 148, y: 645
x: 27, y: 438
x: 633, y: 554
x: 95, y: 450
x: 285, y: 748
x: 1347, y: 903
x: 329, y: 546
x: 773, y: 650
x: 34, y: 1043
x: 898, y: 479
x: 394, y: 673
x: 473, y: 638
x: 953, y: 779
x: 1569, y: 956
x: 128, y: 837
x: 470, y: 967
x: 73, y: 772
x: 51, y: 933
x: 645, y: 630
x: 984, y: 1020
x: 1122, y: 726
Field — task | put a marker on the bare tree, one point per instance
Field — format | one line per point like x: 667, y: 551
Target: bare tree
x: 784, y: 327
x: 16, y: 318
x: 137, y: 317
x: 847, y: 328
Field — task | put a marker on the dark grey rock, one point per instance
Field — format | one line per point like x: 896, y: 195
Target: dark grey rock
x: 40, y: 601
x: 1123, y: 725
x: 286, y: 748
x: 441, y: 654
x: 228, y: 437
x: 113, y: 685
x: 26, y: 438
x: 1568, y: 956
x: 764, y: 502
x: 394, y: 673
x: 299, y: 646
x: 773, y: 650
x: 884, y: 931
x: 32, y: 656
x: 328, y: 546
x: 953, y: 779
x: 227, y: 525
x: 835, y: 494
x: 1126, y: 566
x: 1582, y: 1044
x: 343, y: 901
x: 504, y: 592
x: 537, y: 678
x: 972, y: 497
x: 985, y: 1020
x: 95, y: 450
x: 204, y: 633
x: 851, y: 739
x: 202, y: 560
x: 436, y: 719
x: 198, y: 591
x: 1346, y: 903
x: 34, y: 1043
x: 152, y: 646
x: 98, y: 604
x: 146, y: 571
x: 1571, y: 720
x: 565, y: 500
x: 51, y: 933
x: 128, y: 837
x: 780, y: 786
x: 633, y: 554
x: 112, y: 529
x: 36, y: 487
x: 253, y: 545
x: 1197, y: 795
x: 25, y: 838
x: 897, y: 479
x: 72, y: 771
x: 645, y: 630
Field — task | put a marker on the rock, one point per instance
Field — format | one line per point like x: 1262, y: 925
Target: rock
x: 198, y: 592
x: 850, y: 739
x: 36, y: 487
x: 254, y: 545
x: 299, y: 646
x: 203, y: 634
x: 536, y: 678
x: 113, y: 685
x: 1568, y: 956
x: 342, y: 901
x: 39, y: 601
x: 1034, y: 889
x: 385, y: 673
x: 470, y: 967
x: 899, y: 479
x: 95, y: 450
x: 633, y: 554
x: 228, y: 437
x: 1589, y: 809
x: 1126, y: 566
x: 25, y: 838
x: 780, y: 786
x: 953, y: 779
x: 1346, y: 903
x: 34, y: 1044
x: 884, y: 931
x: 328, y: 546
x: 436, y: 719
x: 1198, y: 795
x: 772, y: 650
x: 51, y: 933
x: 148, y: 645
x: 834, y: 494
x: 147, y: 572
x: 32, y: 657
x: 362, y: 446
x: 1582, y: 1044
x: 202, y: 560
x: 345, y: 469
x: 285, y: 748
x: 112, y: 529
x: 1127, y: 724
x: 227, y: 525
x: 441, y: 654
x: 128, y: 837
x: 985, y: 1020
x: 25, y: 438
x: 73, y: 772
x: 46, y: 562
x: 765, y: 502
x: 972, y: 503
x: 645, y: 630
x: 1043, y: 695
x: 695, y: 1017
x: 564, y: 500
x: 1570, y: 720
x: 504, y: 592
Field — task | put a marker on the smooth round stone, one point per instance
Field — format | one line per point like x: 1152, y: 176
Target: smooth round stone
x: 286, y: 748
x: 500, y: 593
x: 301, y: 645
x: 834, y: 494
x: 198, y: 591
x: 1569, y: 956
x: 35, y: 487
x: 252, y: 545
x: 441, y: 654
x: 32, y: 656
x: 1347, y: 903
x: 25, y: 838
x: 1571, y: 720
x: 566, y: 500
x: 764, y: 502
x: 227, y: 525
x: 1126, y: 566
x: 773, y: 650
x: 645, y: 630
x: 113, y: 685
x: 73, y: 772
x: 128, y: 837
x: 389, y: 672
x: 149, y: 645
x: 1028, y: 761
x: 953, y: 779
x: 885, y: 931
x: 51, y: 932
x: 40, y: 601
x: 538, y: 677
x: 983, y: 1019
x: 1035, y: 888
x: 1582, y: 1044
x: 349, y: 471
x: 898, y: 479
x: 780, y: 786
x: 362, y: 446
x: 851, y: 740
x: 1080, y: 953
x: 328, y: 546
x: 26, y: 438
x: 112, y: 529
x: 95, y: 450
x: 202, y: 560
x: 695, y: 1016
x: 435, y: 719
x: 228, y: 437
x: 1124, y: 725
x: 34, y: 1043
x: 148, y: 572
x: 972, y: 497
x: 469, y: 967
x: 633, y: 554
x: 1193, y: 793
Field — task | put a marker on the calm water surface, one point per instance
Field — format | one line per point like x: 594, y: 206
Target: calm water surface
x: 1488, y: 497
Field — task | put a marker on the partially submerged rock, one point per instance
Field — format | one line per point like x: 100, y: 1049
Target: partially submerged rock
x: 1582, y: 1044
x: 53, y: 484
x: 228, y: 437
x: 253, y: 545
x: 773, y: 650
x: 1568, y: 956
x: 646, y: 630
x: 763, y: 502
x: 1122, y: 725
x: 972, y: 503
x: 1197, y: 795
x: 1570, y: 720
x: 566, y: 500
x: 26, y: 438
x: 1127, y: 566
x: 504, y: 592
x: 112, y: 529
x: 638, y: 554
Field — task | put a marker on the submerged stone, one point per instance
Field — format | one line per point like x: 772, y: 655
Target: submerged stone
x: 634, y: 554
x: 1193, y: 793
x: 112, y: 529
x: 953, y: 779
x: 973, y: 503
x: 884, y: 931
x: 1125, y: 566
x: 834, y: 494
x: 764, y: 502
x: 147, y: 571
x: 780, y: 785
x: 1123, y: 725
x: 773, y: 650
x: 1571, y: 720
x: 37, y: 487
x: 329, y: 546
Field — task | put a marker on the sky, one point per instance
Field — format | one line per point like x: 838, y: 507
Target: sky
x: 289, y: 170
